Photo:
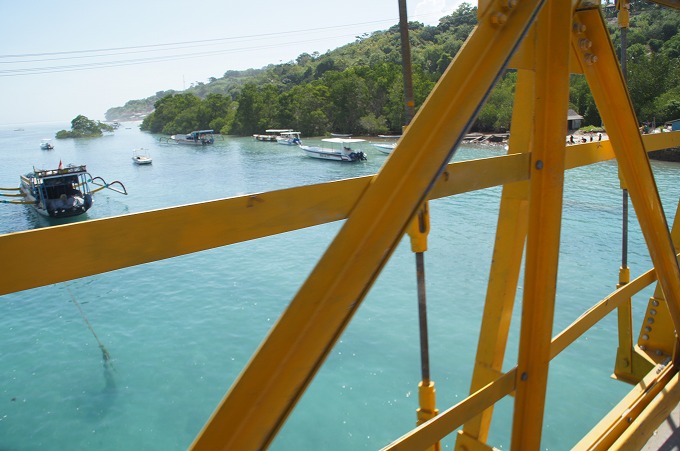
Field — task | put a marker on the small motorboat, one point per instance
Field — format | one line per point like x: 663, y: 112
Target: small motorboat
x: 386, y: 148
x: 340, y: 151
x: 289, y: 138
x: 141, y: 156
x: 195, y: 138
x: 46, y: 144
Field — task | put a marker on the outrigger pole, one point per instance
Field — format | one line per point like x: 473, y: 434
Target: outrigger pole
x: 17, y: 202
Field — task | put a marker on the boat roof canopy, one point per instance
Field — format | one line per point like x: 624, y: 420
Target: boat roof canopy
x: 202, y: 131
x: 278, y: 130
x: 343, y: 140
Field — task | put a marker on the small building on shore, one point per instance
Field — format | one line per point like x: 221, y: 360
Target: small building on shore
x: 573, y: 120
x: 673, y: 125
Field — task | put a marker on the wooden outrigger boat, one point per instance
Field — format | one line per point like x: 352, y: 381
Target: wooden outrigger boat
x: 59, y: 193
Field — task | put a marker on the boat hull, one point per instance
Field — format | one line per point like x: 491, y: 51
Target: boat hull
x: 65, y: 207
x: 332, y: 155
x: 142, y: 161
x: 385, y: 148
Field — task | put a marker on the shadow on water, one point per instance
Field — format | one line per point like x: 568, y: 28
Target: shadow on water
x: 96, y: 404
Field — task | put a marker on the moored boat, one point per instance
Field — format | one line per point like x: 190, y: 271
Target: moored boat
x: 386, y: 148
x: 289, y: 138
x: 141, y: 156
x: 46, y: 144
x: 61, y: 192
x: 272, y: 134
x: 195, y: 138
x: 340, y: 150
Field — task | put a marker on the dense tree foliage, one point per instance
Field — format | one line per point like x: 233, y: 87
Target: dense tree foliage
x: 358, y: 88
x: 652, y: 60
x: 82, y: 127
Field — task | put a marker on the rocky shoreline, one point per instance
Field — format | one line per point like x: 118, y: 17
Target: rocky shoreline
x: 672, y: 154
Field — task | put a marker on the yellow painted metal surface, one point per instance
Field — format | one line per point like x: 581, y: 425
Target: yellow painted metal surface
x: 544, y: 40
x: 658, y: 339
x: 264, y: 394
x: 552, y: 44
x: 611, y: 97
x: 505, y: 267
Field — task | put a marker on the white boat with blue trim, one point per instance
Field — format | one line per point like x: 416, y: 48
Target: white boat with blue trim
x: 341, y: 150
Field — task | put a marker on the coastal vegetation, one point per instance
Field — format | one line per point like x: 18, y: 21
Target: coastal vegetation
x: 82, y: 127
x: 358, y: 88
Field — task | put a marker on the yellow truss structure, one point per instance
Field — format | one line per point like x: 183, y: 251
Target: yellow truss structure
x: 545, y: 40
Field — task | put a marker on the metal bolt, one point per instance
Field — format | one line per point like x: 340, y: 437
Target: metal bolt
x: 509, y: 4
x: 590, y: 58
x: 652, y: 312
x: 645, y: 337
x: 539, y: 164
x: 648, y: 329
x: 498, y: 18
x: 525, y: 376
x: 655, y: 303
x: 650, y: 320
x: 578, y: 27
x: 658, y: 352
x: 585, y: 44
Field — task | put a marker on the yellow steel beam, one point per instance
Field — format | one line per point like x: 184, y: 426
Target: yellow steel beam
x: 658, y: 338
x: 269, y: 387
x: 598, y: 311
x: 644, y: 425
x: 471, y: 407
x: 211, y: 224
x: 553, y: 29
x: 182, y: 230
x: 452, y: 418
x: 611, y: 97
x: 505, y: 264
x: 619, y: 419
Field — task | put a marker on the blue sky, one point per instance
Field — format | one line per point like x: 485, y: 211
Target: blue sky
x: 48, y: 73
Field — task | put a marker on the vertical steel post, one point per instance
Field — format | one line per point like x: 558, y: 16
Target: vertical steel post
x: 552, y: 50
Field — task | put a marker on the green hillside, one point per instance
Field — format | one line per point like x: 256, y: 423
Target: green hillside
x: 358, y: 88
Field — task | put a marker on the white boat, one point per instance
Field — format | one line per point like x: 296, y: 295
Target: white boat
x: 289, y: 138
x: 386, y: 148
x: 141, y: 156
x: 340, y: 150
x: 195, y: 138
x: 272, y: 134
x: 46, y: 144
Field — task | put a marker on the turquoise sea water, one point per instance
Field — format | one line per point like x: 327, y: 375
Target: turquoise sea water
x: 179, y: 331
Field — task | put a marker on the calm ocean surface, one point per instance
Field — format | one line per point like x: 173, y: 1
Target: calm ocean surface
x: 179, y: 331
